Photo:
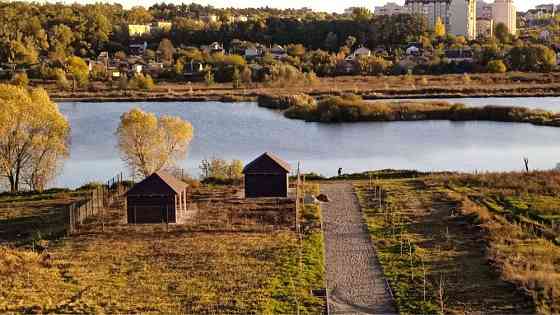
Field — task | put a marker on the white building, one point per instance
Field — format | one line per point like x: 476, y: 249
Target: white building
x: 483, y: 10
x: 360, y: 52
x: 462, y: 18
x: 391, y: 8
x: 504, y: 11
x: 485, y: 28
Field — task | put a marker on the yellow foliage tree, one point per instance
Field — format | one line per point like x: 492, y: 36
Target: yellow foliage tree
x: 79, y: 70
x: 148, y: 144
x: 439, y: 28
x: 33, y: 137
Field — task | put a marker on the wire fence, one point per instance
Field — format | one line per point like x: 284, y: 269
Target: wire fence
x: 94, y: 204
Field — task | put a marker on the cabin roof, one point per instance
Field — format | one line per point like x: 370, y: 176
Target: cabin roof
x: 260, y: 163
x: 152, y: 183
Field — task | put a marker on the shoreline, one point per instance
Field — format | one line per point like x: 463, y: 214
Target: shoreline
x: 252, y: 97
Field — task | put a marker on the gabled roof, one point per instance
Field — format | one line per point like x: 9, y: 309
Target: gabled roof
x: 151, y: 184
x: 175, y: 184
x: 270, y: 157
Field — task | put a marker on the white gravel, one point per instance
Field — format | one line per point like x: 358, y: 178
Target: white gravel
x: 354, y: 278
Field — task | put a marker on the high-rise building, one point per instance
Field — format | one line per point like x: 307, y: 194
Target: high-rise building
x: 462, y: 18
x: 459, y: 16
x: 504, y: 11
x: 431, y: 9
x: 391, y: 8
x: 483, y: 10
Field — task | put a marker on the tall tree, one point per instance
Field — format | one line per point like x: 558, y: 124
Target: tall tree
x: 166, y: 50
x: 79, y: 70
x: 439, y: 28
x: 33, y: 137
x: 148, y: 144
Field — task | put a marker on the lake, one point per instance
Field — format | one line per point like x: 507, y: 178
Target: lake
x: 244, y: 131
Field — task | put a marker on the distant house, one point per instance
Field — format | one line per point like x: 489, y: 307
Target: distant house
x: 194, y: 70
x: 278, y: 52
x: 137, y: 30
x: 103, y: 56
x: 413, y: 51
x: 213, y: 48
x: 252, y: 53
x: 209, y: 18
x: 266, y: 176
x: 160, y: 198
x: 459, y: 55
x: 362, y: 51
x: 346, y: 67
x: 114, y: 72
x: 161, y: 26
x: 136, y: 68
x: 241, y: 18
x: 137, y: 49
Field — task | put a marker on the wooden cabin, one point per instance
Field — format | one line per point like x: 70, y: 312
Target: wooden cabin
x: 160, y: 198
x: 267, y: 176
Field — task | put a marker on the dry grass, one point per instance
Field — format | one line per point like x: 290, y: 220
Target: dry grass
x: 168, y: 269
x: 421, y: 242
x: 513, y: 209
x: 372, y: 86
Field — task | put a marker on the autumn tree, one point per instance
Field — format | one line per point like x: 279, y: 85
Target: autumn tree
x: 166, y: 50
x: 79, y: 70
x: 33, y: 137
x: 148, y: 143
x: 439, y: 28
x: 361, y: 14
x: 139, y: 15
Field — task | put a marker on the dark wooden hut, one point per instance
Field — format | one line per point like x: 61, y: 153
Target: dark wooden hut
x: 159, y: 198
x: 266, y: 176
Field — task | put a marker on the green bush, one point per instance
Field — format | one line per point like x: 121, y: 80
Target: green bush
x: 496, y: 66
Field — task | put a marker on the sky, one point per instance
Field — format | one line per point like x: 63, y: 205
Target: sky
x: 319, y: 5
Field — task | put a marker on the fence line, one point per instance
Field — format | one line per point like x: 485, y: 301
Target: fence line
x: 95, y: 203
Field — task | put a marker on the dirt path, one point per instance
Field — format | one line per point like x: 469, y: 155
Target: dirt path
x: 355, y: 281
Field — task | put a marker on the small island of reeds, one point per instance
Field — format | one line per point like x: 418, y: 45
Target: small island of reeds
x: 352, y: 108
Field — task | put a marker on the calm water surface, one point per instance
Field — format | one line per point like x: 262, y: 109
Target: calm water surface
x: 243, y: 131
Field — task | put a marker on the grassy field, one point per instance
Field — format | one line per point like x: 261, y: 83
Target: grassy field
x: 159, y: 269
x: 468, y: 243
x: 25, y: 217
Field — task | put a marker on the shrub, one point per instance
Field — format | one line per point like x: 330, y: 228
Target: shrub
x: 236, y: 78
x: 283, y: 102
x: 496, y: 66
x: 209, y: 78
x: 20, y: 79
x: 246, y: 75
x: 90, y: 186
x: 61, y: 79
x: 141, y: 82
x: 123, y: 82
x: 221, y: 172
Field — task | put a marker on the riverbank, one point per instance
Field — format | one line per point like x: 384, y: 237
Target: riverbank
x: 368, y: 87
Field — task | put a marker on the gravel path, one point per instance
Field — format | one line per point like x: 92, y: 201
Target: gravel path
x: 354, y: 278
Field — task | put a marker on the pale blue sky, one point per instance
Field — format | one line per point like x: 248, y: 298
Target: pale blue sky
x: 321, y: 5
